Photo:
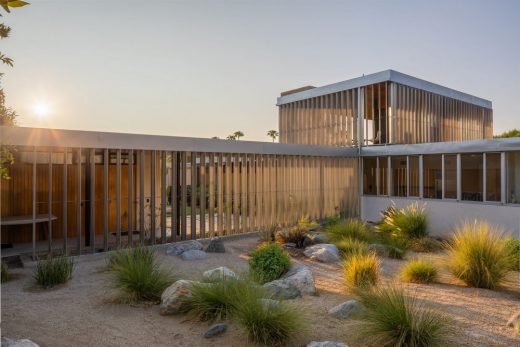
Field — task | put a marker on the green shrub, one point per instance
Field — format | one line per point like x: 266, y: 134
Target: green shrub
x: 330, y: 221
x: 396, y: 246
x: 5, y: 272
x: 361, y: 270
x: 294, y: 234
x: 479, y: 256
x: 137, y: 275
x: 426, y: 245
x: 268, y: 262
x: 351, y: 228
x: 390, y: 318
x: 419, y: 271
x: 274, y: 324
x: 218, y: 299
x: 410, y: 222
x: 53, y: 271
x: 350, y: 246
x: 513, y: 245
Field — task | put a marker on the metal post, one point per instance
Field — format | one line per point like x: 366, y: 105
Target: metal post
x: 34, y: 205
x: 130, y: 220
x: 118, y: 198
x: 78, y: 207
x: 49, y: 187
x: 421, y: 177
x: 407, y: 176
x: 459, y: 179
x: 65, y: 198
x: 484, y: 177
x: 105, y: 199
x: 152, y: 199
x: 174, y: 197
x: 92, y: 199
x: 503, y: 178
x: 163, y: 196
x: 389, y: 176
x: 443, y: 176
x: 141, y: 197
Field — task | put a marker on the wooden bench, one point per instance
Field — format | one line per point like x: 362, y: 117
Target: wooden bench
x: 27, y: 219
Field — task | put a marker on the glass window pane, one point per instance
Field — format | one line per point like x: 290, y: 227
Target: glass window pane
x: 383, y: 174
x: 369, y: 175
x: 513, y: 177
x: 414, y: 175
x: 432, y: 176
x: 450, y: 176
x: 472, y: 177
x: 493, y: 177
x: 398, y: 176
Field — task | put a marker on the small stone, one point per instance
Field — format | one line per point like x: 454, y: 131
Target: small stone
x: 219, y: 273
x: 514, y: 322
x: 345, y: 310
x: 181, y: 247
x: 282, y: 290
x: 193, y: 254
x: 323, y: 252
x: 326, y: 344
x: 8, y: 342
x: 216, y: 245
x: 172, y: 299
x: 216, y: 329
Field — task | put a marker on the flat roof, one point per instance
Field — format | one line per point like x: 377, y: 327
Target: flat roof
x: 384, y: 76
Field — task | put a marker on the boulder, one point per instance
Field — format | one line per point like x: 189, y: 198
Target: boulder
x: 8, y: 342
x: 314, y: 238
x: 172, y: 299
x: 282, y: 290
x: 181, y: 247
x: 514, y: 322
x: 218, y: 273
x: 345, y: 310
x: 324, y: 252
x: 216, y: 329
x: 301, y: 277
x: 216, y: 245
x: 193, y: 254
x: 326, y: 344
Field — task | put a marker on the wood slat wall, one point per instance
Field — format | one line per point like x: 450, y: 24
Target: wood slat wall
x: 392, y: 113
x: 230, y: 193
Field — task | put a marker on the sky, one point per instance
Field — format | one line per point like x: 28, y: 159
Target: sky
x: 209, y: 68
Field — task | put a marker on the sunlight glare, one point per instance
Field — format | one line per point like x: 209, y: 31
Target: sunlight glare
x: 42, y: 109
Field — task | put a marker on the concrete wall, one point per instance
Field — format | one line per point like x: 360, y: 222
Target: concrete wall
x: 445, y: 215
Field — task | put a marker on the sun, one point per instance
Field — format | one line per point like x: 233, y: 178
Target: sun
x: 42, y: 109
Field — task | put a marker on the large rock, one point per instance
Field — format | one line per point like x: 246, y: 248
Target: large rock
x: 181, y: 247
x: 172, y: 299
x: 216, y: 329
x: 8, y: 342
x: 345, y: 310
x: 282, y: 290
x: 219, y: 273
x: 514, y: 322
x: 193, y: 254
x: 216, y: 245
x: 326, y: 344
x: 314, y: 238
x: 324, y: 252
x: 297, y: 281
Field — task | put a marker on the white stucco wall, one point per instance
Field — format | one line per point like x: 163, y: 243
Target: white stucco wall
x: 445, y: 215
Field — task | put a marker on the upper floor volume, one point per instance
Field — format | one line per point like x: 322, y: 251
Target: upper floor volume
x: 386, y: 107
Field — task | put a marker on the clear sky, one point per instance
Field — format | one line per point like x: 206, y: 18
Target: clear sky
x: 208, y: 68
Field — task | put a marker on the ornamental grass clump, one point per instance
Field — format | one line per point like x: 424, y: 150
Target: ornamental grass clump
x: 138, y: 275
x: 5, y: 273
x: 53, y: 271
x: 268, y: 262
x: 419, y: 271
x: 513, y: 245
x: 217, y: 300
x: 267, y: 323
x: 351, y: 228
x: 297, y: 233
x: 349, y: 247
x: 410, y: 222
x: 390, y: 318
x: 479, y: 256
x: 361, y: 270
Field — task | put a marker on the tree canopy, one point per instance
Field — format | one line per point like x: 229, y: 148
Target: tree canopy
x: 509, y: 133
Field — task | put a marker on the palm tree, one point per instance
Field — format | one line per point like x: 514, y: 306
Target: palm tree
x: 231, y: 137
x: 273, y: 134
x: 238, y: 134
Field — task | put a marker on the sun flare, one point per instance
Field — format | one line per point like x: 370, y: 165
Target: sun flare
x: 41, y: 109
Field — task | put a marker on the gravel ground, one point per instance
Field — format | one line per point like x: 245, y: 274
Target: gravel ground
x: 79, y: 313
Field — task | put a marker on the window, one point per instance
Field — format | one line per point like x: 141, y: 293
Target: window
x: 472, y: 177
x: 414, y: 175
x: 398, y: 176
x: 369, y: 175
x: 513, y: 177
x: 450, y: 176
x: 493, y: 177
x: 383, y: 174
x: 432, y: 176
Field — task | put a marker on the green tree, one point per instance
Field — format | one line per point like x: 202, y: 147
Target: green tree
x: 238, y: 134
x: 273, y: 134
x: 510, y: 133
x: 231, y: 137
